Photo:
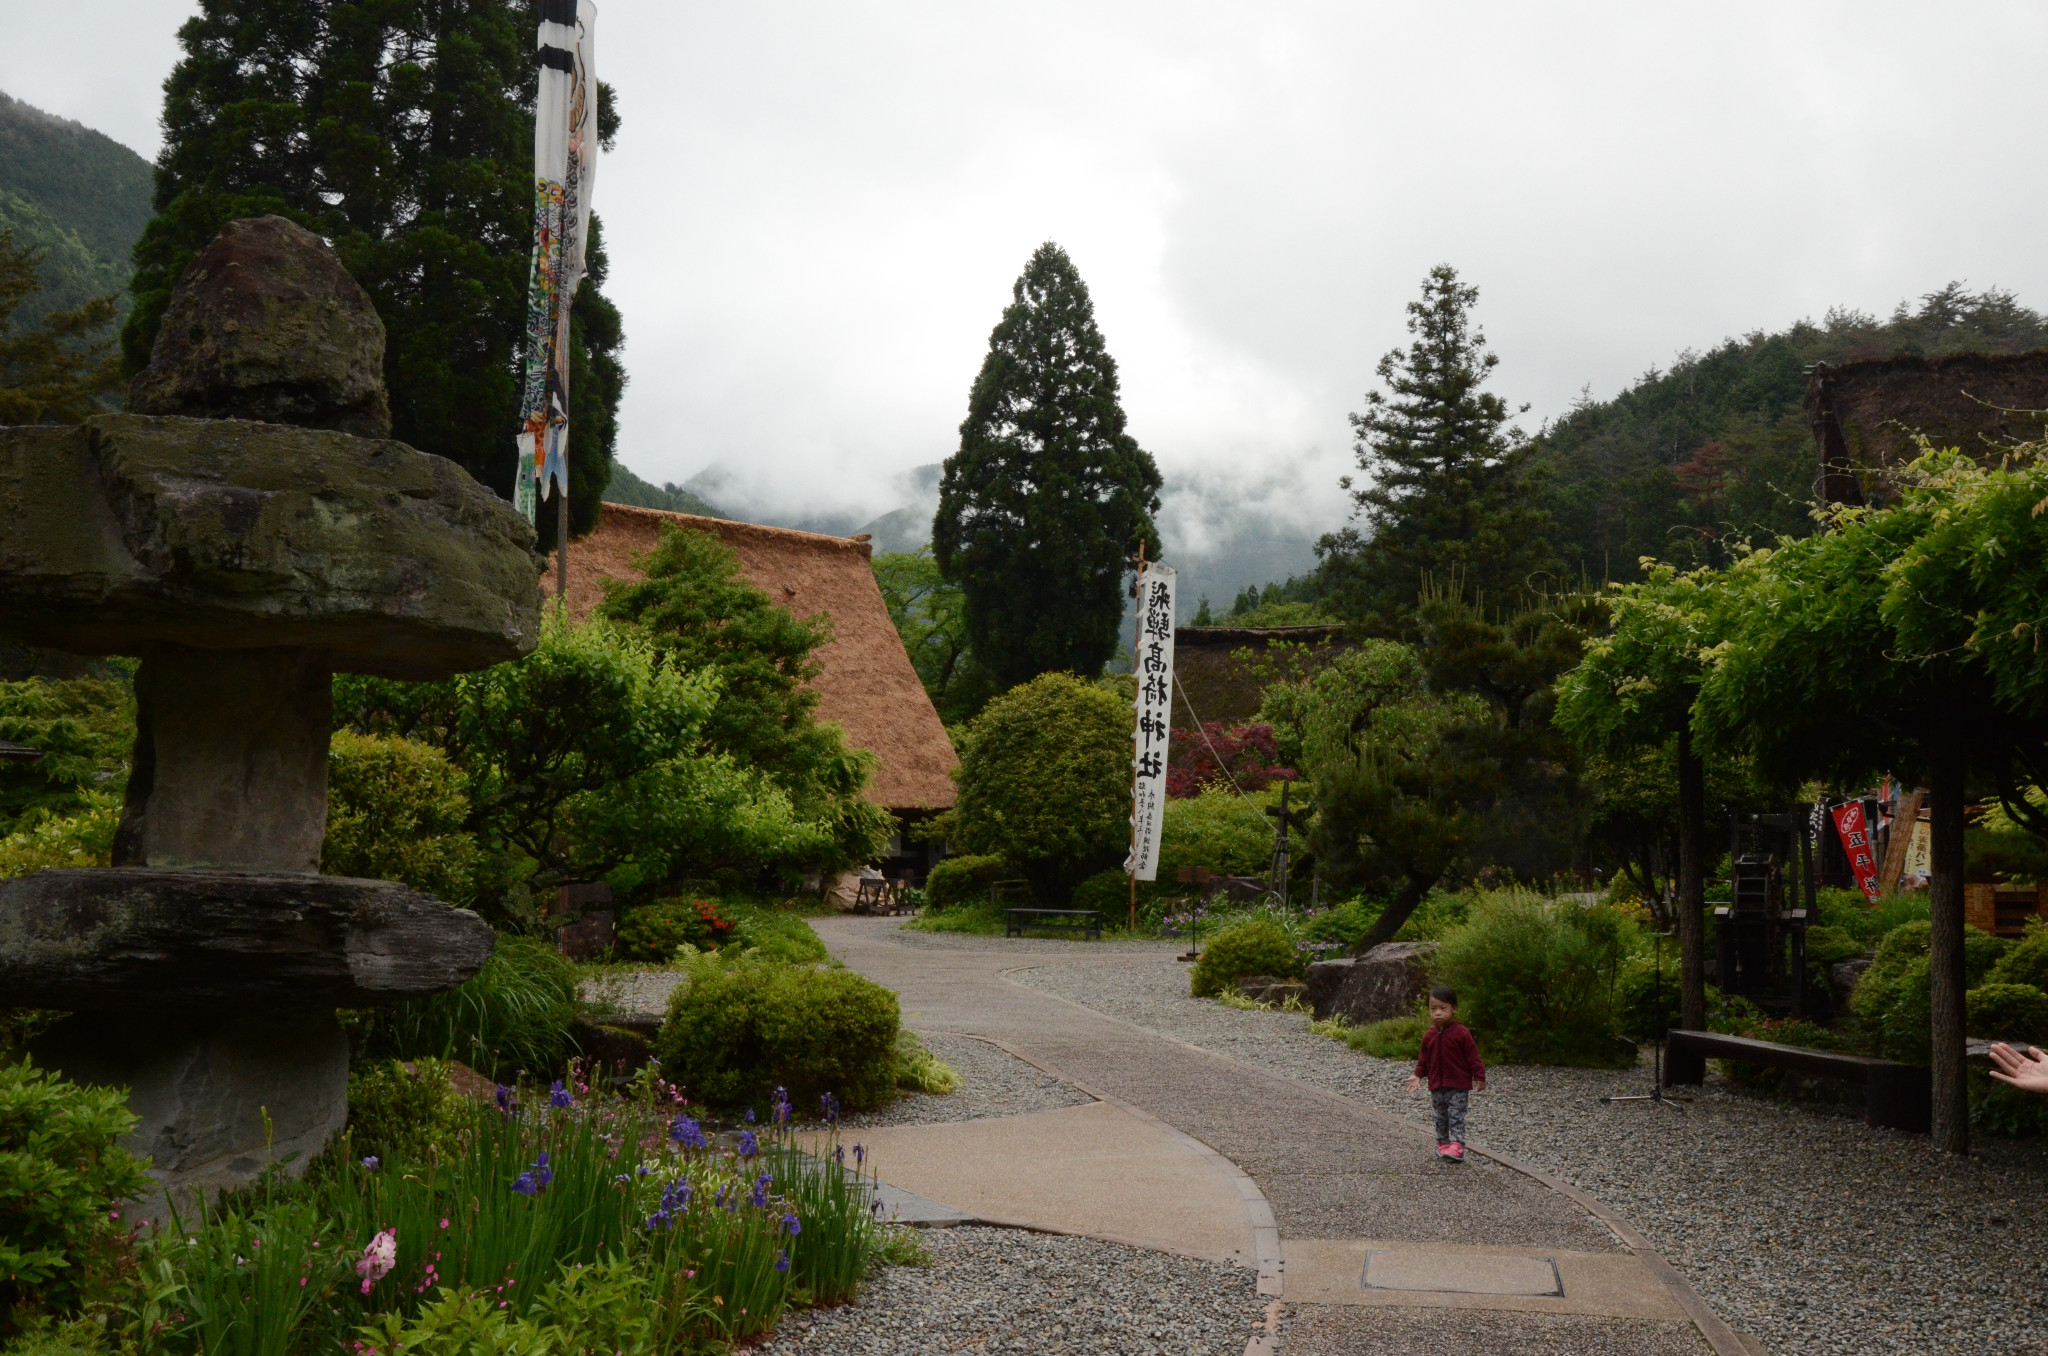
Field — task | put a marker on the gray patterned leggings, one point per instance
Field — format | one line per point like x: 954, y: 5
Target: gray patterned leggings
x: 1449, y: 1104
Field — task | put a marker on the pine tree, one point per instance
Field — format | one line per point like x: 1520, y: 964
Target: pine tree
x: 1048, y: 496
x: 1444, y: 498
x: 51, y: 371
x: 402, y: 132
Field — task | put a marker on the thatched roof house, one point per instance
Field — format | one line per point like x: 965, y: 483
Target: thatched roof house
x: 865, y: 683
x: 1865, y: 414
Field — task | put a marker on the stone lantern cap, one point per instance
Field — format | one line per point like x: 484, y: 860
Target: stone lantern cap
x: 110, y: 939
x: 133, y: 530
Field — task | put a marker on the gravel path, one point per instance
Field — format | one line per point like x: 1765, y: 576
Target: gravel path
x: 631, y: 990
x: 993, y: 1084
x: 1007, y: 1290
x: 1804, y: 1227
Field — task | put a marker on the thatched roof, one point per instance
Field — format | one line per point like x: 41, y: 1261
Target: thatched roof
x: 1215, y: 686
x: 865, y: 682
x: 1865, y: 414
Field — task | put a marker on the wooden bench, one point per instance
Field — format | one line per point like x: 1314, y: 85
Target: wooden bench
x: 1895, y: 1096
x: 1086, y: 921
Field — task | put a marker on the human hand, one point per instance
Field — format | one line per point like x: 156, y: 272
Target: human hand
x: 2028, y: 1071
x: 1479, y: 1085
x: 1415, y: 1082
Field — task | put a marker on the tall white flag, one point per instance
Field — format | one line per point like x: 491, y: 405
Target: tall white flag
x: 1153, y: 666
x: 564, y: 169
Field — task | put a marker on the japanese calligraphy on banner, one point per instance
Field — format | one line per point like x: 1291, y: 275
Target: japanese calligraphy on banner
x: 1153, y: 666
x: 1855, y: 830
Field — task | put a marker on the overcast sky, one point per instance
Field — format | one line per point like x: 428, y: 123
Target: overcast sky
x: 816, y: 211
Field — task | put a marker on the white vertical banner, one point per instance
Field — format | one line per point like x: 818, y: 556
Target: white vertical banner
x: 1153, y: 667
x: 564, y: 172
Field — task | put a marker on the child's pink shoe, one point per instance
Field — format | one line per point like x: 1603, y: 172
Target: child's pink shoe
x: 1443, y: 1150
x: 1455, y: 1152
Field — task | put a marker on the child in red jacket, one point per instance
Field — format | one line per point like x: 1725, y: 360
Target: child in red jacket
x: 1451, y: 1064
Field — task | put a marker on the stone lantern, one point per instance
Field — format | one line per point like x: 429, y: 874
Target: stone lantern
x: 247, y: 532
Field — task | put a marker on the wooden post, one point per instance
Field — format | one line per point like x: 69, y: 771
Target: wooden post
x: 1137, y: 639
x: 1692, y: 929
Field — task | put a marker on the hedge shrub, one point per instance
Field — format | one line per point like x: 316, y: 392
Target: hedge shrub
x: 1395, y: 1038
x: 2008, y: 1012
x: 1253, y: 948
x: 744, y: 1026
x: 2026, y: 963
x: 1534, y: 977
x: 396, y: 811
x: 412, y: 1116
x: 1891, y: 1000
x: 61, y: 1167
x: 962, y: 880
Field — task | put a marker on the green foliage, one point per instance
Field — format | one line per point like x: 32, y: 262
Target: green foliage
x: 85, y: 728
x: 61, y: 1168
x: 1443, y: 475
x: 396, y: 811
x: 931, y: 617
x: 627, y: 488
x: 1691, y: 462
x: 1402, y: 776
x: 776, y: 934
x: 82, y: 839
x: 654, y: 932
x: 1891, y: 1000
x: 52, y: 370
x: 1108, y: 893
x: 607, y: 1307
x: 2008, y: 1012
x: 583, y: 760
x: 1534, y: 977
x: 743, y: 1027
x: 403, y: 134
x: 2025, y: 963
x: 2001, y: 1109
x: 513, y: 1016
x: 1254, y: 948
x: 413, y: 1115
x: 707, y: 619
x: 1048, y: 496
x: 1045, y: 782
x: 79, y: 196
x: 1855, y: 915
x: 1394, y: 1038
x: 919, y: 1070
x: 962, y: 880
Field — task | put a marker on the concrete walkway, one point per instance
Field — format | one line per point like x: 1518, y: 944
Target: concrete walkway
x: 1365, y: 1241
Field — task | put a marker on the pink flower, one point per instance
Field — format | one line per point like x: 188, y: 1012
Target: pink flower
x: 302, y: 1281
x: 380, y: 1254
x: 444, y: 1224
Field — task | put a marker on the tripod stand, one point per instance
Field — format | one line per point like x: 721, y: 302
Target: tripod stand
x: 1656, y: 1092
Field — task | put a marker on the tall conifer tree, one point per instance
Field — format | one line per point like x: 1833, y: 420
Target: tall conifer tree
x: 401, y: 131
x: 1048, y: 496
x: 1445, y: 476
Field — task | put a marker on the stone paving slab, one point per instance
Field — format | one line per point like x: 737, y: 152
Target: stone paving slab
x: 1092, y: 1169
x: 1378, y: 1273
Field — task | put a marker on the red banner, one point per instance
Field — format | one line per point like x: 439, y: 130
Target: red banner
x: 1855, y: 831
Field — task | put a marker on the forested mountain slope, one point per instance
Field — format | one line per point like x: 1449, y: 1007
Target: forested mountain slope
x: 80, y: 196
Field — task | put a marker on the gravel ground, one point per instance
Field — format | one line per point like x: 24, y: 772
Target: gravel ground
x: 1798, y: 1224
x: 1007, y: 1290
x: 1335, y: 1330
x: 632, y: 990
x: 993, y: 1084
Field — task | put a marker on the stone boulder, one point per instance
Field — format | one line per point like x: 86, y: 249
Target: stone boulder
x: 1387, y: 981
x: 267, y: 325
x: 1844, y: 976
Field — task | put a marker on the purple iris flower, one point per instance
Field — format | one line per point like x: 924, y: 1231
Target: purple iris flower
x: 371, y: 1162
x: 749, y: 1146
x: 525, y: 1185
x: 792, y: 1224
x: 782, y: 1262
x: 558, y: 1096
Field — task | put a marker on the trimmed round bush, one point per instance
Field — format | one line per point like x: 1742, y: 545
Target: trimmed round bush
x: 1108, y: 893
x: 744, y: 1026
x: 2026, y: 963
x: 962, y: 880
x: 2008, y: 1012
x: 1253, y: 948
x: 1891, y: 999
x: 396, y: 811
x: 1534, y: 978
